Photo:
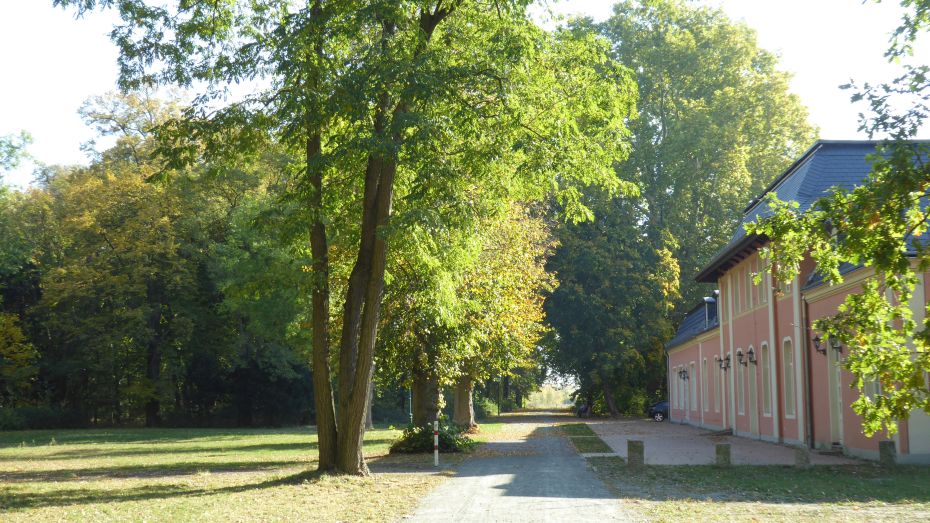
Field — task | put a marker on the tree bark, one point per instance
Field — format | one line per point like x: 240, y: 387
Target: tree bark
x: 425, y: 398
x: 369, y: 419
x: 609, y: 398
x: 464, y: 406
x: 319, y: 248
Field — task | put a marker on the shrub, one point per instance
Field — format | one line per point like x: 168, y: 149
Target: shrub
x: 484, y: 408
x: 24, y: 418
x: 11, y: 420
x: 420, y: 439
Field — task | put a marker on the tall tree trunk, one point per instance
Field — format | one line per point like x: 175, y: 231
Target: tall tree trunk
x: 322, y: 384
x: 357, y: 358
x: 369, y: 418
x: 425, y: 398
x: 609, y: 397
x: 366, y: 282
x: 464, y: 407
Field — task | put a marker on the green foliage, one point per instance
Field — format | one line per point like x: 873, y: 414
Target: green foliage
x: 18, y: 361
x: 610, y: 310
x: 716, y: 123
x: 452, y: 438
x: 13, y: 150
x: 881, y: 225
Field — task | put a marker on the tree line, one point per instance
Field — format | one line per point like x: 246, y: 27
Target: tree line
x: 424, y: 194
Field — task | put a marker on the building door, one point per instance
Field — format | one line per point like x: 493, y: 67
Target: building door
x: 753, y: 401
x: 836, y: 395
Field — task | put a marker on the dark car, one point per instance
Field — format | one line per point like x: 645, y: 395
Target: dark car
x: 659, y: 411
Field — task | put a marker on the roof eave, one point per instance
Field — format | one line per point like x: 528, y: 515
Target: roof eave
x: 721, y: 262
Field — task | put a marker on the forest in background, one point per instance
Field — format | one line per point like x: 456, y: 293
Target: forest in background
x: 172, y: 281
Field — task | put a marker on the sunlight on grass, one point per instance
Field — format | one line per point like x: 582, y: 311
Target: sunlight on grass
x: 197, y: 474
x: 771, y: 493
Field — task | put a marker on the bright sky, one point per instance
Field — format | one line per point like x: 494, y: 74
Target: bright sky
x: 51, y: 63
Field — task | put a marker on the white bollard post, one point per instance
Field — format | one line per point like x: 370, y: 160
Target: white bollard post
x: 436, y: 443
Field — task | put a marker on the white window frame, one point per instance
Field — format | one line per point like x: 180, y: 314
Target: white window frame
x: 740, y: 385
x: 692, y: 389
x: 787, y: 356
x: 704, y: 405
x: 766, y: 379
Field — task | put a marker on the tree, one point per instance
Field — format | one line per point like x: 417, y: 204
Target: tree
x: 716, y: 123
x: 610, y: 310
x: 13, y: 150
x: 505, y: 320
x: 355, y: 88
x: 881, y: 225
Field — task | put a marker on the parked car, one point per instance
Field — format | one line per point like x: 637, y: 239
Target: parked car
x: 659, y: 411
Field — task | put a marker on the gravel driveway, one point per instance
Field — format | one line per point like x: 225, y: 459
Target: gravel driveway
x: 529, y: 472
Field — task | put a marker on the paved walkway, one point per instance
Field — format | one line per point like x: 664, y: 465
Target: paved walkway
x: 674, y: 444
x: 529, y: 472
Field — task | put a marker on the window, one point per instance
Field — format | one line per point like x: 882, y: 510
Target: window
x: 704, y: 385
x: 717, y: 387
x: 674, y: 391
x: 737, y: 301
x: 788, y: 356
x: 721, y: 302
x: 749, y: 287
x: 764, y: 291
x: 871, y: 388
x: 741, y: 407
x: 766, y: 379
x: 682, y: 392
x: 692, y: 397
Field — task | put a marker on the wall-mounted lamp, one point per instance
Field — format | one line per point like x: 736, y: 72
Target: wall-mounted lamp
x: 821, y: 347
x: 724, y: 363
x: 751, y: 356
x: 683, y: 374
x: 740, y: 357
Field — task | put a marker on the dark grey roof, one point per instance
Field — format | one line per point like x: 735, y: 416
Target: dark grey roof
x: 699, y: 320
x: 827, y: 164
x: 816, y: 278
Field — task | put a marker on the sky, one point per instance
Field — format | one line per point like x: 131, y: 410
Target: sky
x: 51, y: 63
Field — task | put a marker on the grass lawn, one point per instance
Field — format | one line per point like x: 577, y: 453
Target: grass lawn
x: 584, y: 439
x: 199, y: 475
x: 771, y: 493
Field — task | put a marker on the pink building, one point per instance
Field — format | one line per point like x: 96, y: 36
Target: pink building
x: 747, y: 360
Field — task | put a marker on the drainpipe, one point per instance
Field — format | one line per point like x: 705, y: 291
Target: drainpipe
x: 805, y: 323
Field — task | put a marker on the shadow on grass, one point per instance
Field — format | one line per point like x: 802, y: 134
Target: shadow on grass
x: 85, y: 453
x: 11, y: 499
x: 768, y: 484
x: 139, y: 435
x: 160, y: 470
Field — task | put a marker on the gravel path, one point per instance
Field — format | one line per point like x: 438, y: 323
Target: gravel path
x: 529, y: 472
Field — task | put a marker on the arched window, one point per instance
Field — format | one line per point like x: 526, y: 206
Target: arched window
x: 790, y: 396
x: 766, y: 379
x: 718, y: 389
x: 740, y: 402
x: 692, y: 388
x: 704, y: 385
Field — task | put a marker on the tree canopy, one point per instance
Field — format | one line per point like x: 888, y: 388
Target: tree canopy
x: 378, y: 101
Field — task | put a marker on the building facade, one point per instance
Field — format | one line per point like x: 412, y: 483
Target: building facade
x: 747, y: 360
